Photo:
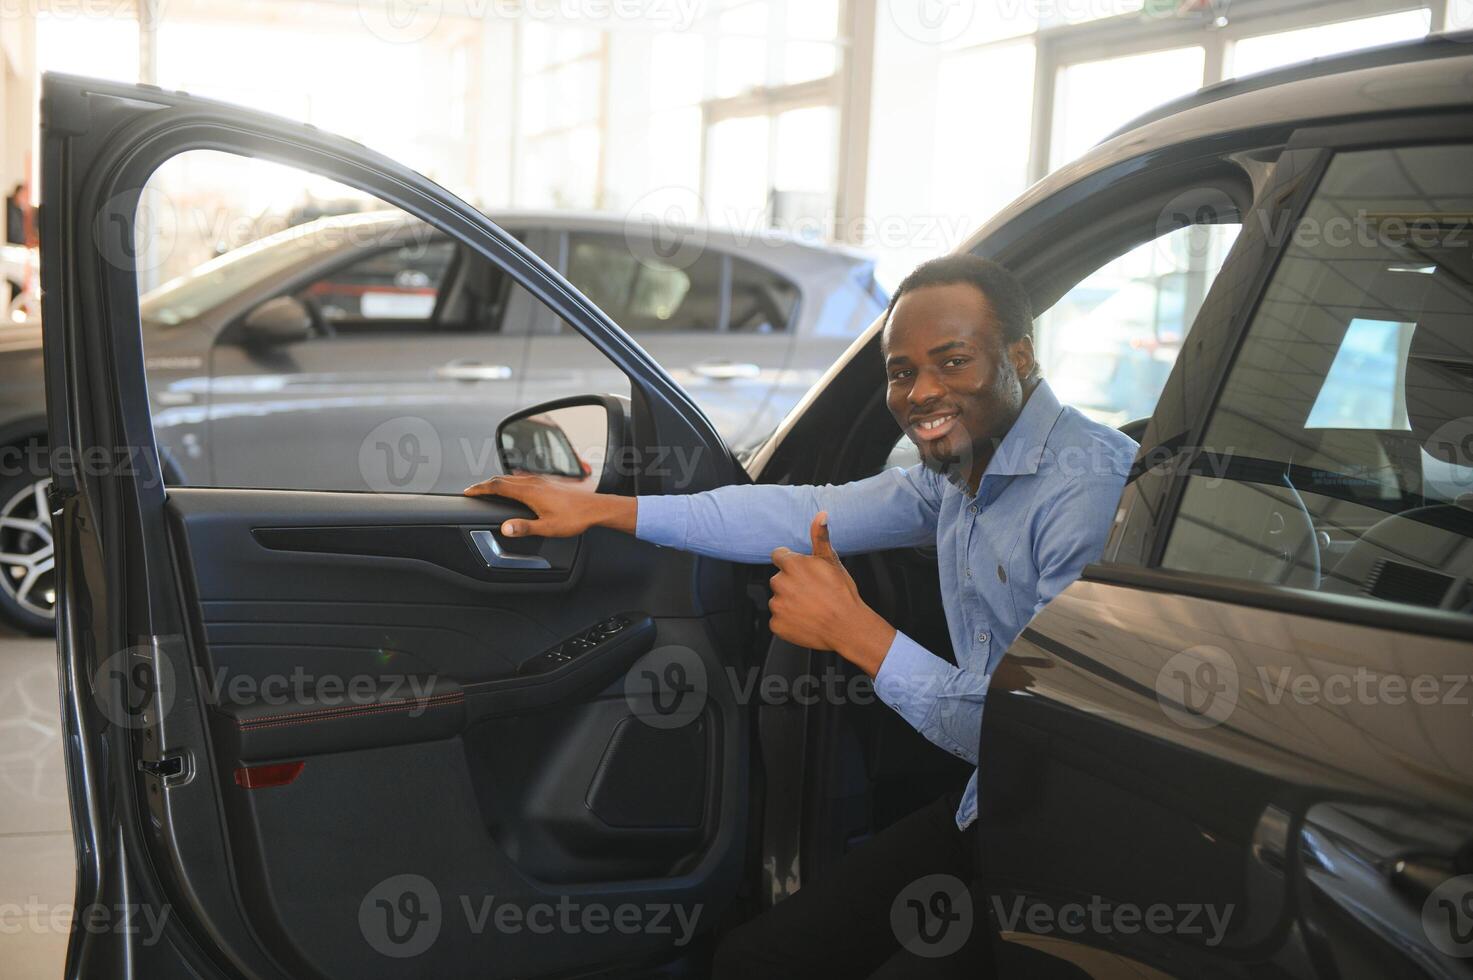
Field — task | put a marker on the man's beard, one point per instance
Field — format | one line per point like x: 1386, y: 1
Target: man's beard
x: 955, y: 464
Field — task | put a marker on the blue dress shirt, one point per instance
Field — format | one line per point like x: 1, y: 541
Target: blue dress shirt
x: 1041, y: 513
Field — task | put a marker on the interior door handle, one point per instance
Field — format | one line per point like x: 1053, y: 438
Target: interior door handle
x: 491, y: 553
x: 726, y: 370
x: 467, y: 370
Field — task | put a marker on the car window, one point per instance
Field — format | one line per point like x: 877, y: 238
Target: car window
x: 398, y: 284
x: 642, y: 292
x: 350, y: 346
x: 1340, y: 454
x: 708, y: 292
x: 761, y: 300
x: 1109, y: 344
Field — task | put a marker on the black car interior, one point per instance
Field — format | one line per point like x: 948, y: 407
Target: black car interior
x: 1360, y: 469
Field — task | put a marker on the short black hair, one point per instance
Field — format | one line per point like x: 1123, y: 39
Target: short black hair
x: 1004, y: 293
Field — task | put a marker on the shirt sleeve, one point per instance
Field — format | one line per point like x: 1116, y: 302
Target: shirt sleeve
x: 894, y: 509
x: 1072, y: 533
x: 940, y: 700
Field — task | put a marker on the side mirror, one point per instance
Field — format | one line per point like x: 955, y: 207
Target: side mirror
x: 283, y: 320
x: 577, y: 440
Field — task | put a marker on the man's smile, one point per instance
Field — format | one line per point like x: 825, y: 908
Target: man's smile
x: 934, y: 426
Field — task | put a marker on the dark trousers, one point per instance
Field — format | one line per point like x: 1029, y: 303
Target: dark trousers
x: 903, y: 904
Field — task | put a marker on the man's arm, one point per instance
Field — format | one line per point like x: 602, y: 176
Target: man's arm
x: 943, y: 701
x: 893, y: 509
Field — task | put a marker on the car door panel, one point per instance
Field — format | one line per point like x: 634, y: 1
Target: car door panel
x: 301, y: 719
x: 1240, y: 809
x: 1200, y: 739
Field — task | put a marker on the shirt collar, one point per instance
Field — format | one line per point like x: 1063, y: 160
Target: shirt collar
x: 1022, y: 448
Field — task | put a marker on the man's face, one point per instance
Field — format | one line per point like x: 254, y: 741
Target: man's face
x: 951, y: 384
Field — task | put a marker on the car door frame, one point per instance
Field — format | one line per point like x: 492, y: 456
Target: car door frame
x: 1042, y: 246
x: 116, y: 564
x: 1172, y: 446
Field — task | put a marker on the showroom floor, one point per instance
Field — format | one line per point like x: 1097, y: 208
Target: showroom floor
x: 36, y: 864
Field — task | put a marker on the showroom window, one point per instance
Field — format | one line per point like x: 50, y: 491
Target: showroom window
x: 1339, y: 456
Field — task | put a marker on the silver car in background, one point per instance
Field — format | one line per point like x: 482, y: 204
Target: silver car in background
x: 336, y: 353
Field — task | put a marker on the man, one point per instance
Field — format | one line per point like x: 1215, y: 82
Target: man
x: 1016, y: 492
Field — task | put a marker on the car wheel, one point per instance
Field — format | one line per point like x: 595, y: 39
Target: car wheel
x: 27, y: 559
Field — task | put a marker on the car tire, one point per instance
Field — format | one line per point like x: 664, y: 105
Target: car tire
x: 27, y: 560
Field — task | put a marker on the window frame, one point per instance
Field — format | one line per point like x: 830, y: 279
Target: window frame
x: 1157, y: 483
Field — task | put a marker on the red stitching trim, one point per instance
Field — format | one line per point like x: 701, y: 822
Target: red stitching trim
x: 347, y: 711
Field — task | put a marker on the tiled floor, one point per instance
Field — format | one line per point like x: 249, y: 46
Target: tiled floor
x: 36, y: 863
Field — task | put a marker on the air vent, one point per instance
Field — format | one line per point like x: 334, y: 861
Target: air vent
x: 1395, y: 582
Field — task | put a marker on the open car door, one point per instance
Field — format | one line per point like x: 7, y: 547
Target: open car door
x: 315, y: 733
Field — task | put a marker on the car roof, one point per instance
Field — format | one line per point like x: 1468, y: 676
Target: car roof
x: 794, y: 256
x: 612, y: 222
x: 1430, y: 73
x: 1401, y: 52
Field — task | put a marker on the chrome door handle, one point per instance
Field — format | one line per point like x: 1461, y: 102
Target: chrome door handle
x: 494, y: 557
x: 726, y: 370
x: 473, y: 371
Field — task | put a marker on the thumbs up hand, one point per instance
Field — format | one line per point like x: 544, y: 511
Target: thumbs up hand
x: 816, y: 604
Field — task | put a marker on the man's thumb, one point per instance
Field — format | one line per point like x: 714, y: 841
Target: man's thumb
x: 518, y: 528
x: 819, y: 531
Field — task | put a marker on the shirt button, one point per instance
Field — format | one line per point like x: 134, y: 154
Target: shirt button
x: 981, y: 637
x: 969, y: 572
x: 972, y: 510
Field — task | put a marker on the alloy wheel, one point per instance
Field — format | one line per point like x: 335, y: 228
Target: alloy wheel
x: 27, y: 557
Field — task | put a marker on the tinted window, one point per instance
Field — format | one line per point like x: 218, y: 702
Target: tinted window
x: 1340, y: 454
x: 640, y: 292
x: 644, y: 294
x: 761, y: 301
x: 397, y: 284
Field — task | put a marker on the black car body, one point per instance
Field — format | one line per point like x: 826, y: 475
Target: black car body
x: 1165, y: 795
